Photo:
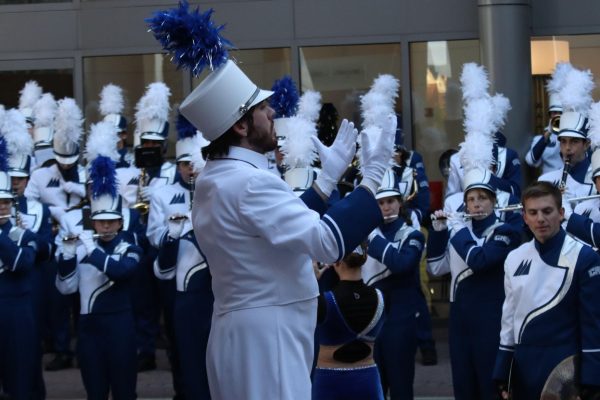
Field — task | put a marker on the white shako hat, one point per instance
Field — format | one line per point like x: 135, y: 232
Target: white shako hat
x: 111, y: 106
x: 19, y: 143
x: 576, y: 98
x: 101, y: 154
x: 29, y: 95
x: 554, y: 104
x: 221, y: 99
x: 68, y: 129
x: 389, y: 185
x: 152, y: 113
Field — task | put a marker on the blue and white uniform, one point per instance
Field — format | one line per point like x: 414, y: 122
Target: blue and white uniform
x: 474, y: 256
x: 181, y: 259
x: 455, y: 203
x: 106, y: 346
x: 507, y: 176
x: 544, y: 153
x: 18, y: 248
x: 579, y: 180
x: 550, y: 312
x: 259, y: 239
x: 395, y: 251
x: 129, y: 179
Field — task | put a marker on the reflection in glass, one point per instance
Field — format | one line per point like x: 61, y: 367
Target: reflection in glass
x: 59, y: 82
x: 133, y: 73
x: 343, y: 73
x: 435, y: 69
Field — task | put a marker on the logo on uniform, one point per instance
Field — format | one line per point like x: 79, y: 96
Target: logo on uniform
x: 53, y: 183
x: 134, y: 181
x: 178, y: 199
x: 80, y: 223
x: 587, y: 213
x: 523, y: 268
x: 595, y: 271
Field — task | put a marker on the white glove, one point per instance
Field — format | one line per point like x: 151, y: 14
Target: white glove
x: 146, y: 192
x: 56, y: 212
x: 377, y: 152
x: 335, y: 158
x: 176, y: 227
x: 439, y: 221
x: 87, y: 239
x: 69, y: 249
x: 568, y: 208
x: 456, y: 223
x: 74, y: 188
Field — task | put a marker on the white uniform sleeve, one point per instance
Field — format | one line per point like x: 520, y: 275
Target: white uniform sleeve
x: 157, y: 225
x: 455, y: 176
x: 507, y: 335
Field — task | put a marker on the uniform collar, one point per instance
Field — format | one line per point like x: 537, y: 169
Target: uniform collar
x: 6, y: 227
x: 550, y: 250
x: 579, y: 170
x: 479, y: 226
x: 392, y: 226
x: 257, y: 160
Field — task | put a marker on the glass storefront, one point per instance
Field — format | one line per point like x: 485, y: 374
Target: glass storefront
x: 133, y: 73
x: 59, y: 82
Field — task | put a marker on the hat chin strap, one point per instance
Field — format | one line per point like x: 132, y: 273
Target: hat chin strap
x: 246, y: 106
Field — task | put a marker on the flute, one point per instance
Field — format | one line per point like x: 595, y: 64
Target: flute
x: 582, y: 198
x: 5, y: 216
x: 70, y: 238
x: 390, y: 217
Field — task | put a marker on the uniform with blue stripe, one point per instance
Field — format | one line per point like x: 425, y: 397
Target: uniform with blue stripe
x: 473, y: 252
x: 550, y: 312
x: 180, y: 260
x: 395, y: 249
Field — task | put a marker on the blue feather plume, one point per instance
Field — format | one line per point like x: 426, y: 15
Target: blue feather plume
x: 285, y: 97
x: 3, y: 155
x: 185, y: 129
x: 103, y: 176
x: 193, y: 40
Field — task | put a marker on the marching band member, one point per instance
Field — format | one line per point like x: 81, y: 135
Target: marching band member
x: 111, y: 107
x: 552, y: 284
x: 574, y: 179
x: 100, y: 268
x: 406, y: 163
x: 395, y: 249
x: 473, y: 252
x: 44, y: 112
x: 349, y: 319
x: 181, y: 260
x: 60, y: 186
x: 18, y: 248
x: 244, y: 216
x: 34, y: 216
x: 284, y: 101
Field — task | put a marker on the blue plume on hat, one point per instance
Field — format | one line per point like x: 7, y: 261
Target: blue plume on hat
x: 103, y: 176
x: 184, y: 128
x: 3, y: 155
x: 285, y: 97
x: 190, y: 37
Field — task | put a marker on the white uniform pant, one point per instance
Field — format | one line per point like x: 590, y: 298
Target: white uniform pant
x: 262, y: 353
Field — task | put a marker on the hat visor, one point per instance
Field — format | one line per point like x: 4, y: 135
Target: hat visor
x: 5, y: 194
x: 18, y: 173
x: 485, y: 186
x: 387, y: 193
x: 106, y: 215
x: 152, y: 136
x: 185, y: 157
x: 66, y: 160
x: 555, y: 109
x: 572, y: 133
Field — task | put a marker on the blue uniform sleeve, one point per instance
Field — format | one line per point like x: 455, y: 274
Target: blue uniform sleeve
x: 420, y: 203
x: 489, y: 255
x: 313, y: 201
x: 401, y: 260
x: 589, y: 315
x: 66, y: 267
x: 167, y: 254
x: 119, y: 269
x: 503, y: 365
x: 584, y: 228
x: 511, y: 180
x: 18, y: 257
x: 537, y: 150
x: 437, y: 242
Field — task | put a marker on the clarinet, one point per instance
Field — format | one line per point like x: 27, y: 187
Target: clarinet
x: 563, y: 180
x: 17, y: 212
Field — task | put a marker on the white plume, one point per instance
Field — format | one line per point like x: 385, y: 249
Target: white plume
x: 14, y: 130
x: 111, y: 100
x: 102, y: 141
x: 559, y: 76
x: 198, y: 161
x: 68, y: 124
x: 594, y: 132
x: 477, y: 149
x: 501, y: 107
x: 154, y: 104
x: 474, y: 81
x: 309, y: 105
x: 30, y: 93
x: 576, y: 95
x: 44, y: 110
x: 387, y: 85
x: 298, y: 149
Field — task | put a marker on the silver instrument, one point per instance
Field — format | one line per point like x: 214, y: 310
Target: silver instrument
x: 18, y: 221
x: 5, y: 216
x: 178, y: 218
x: 192, y: 183
x: 458, y: 214
x: 72, y: 238
x: 583, y: 198
x: 562, y: 186
x: 389, y: 217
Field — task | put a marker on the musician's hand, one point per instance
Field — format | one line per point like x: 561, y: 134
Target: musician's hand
x: 87, y: 238
x: 176, y: 226
x: 439, y: 220
x: 320, y: 269
x: 146, y: 192
x: 74, y: 188
x: 57, y: 212
x: 568, y: 208
x: 456, y: 223
x: 69, y: 248
x: 501, y: 389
